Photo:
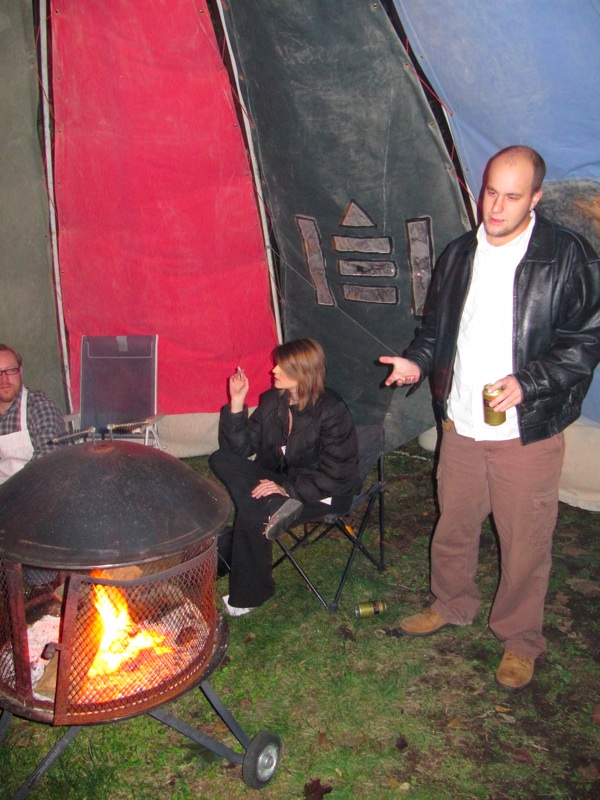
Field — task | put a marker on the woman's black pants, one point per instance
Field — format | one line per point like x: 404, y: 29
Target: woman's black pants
x: 250, y: 579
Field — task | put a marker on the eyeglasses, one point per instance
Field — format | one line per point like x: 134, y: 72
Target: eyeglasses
x: 9, y: 371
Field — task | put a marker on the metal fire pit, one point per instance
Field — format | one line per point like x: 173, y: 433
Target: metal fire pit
x: 126, y: 530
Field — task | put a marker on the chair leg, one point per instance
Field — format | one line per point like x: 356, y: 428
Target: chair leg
x: 381, y: 566
x: 288, y: 553
x: 357, y: 544
x: 345, y: 574
x: 298, y: 542
x: 355, y: 540
x: 381, y: 501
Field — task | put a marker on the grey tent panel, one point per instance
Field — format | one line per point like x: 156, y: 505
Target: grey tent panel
x: 27, y: 305
x: 349, y: 152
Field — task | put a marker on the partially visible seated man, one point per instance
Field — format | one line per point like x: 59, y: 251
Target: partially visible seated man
x: 29, y: 420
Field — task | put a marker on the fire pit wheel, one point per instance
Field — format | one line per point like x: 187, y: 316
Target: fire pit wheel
x: 261, y: 759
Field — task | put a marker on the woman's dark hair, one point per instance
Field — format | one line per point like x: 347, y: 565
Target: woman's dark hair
x: 304, y: 361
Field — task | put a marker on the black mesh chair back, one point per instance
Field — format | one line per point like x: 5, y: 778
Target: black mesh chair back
x: 118, y: 389
x: 118, y: 380
x: 353, y: 523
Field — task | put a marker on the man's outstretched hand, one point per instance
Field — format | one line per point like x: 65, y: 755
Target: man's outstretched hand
x: 403, y: 371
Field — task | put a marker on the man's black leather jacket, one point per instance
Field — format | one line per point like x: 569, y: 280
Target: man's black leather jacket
x: 556, y: 329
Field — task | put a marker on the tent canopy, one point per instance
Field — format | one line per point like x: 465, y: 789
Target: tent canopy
x: 161, y: 196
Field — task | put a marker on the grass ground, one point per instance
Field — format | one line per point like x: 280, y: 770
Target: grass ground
x: 363, y: 713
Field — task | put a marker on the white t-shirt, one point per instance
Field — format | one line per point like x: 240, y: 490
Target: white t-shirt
x: 485, y: 338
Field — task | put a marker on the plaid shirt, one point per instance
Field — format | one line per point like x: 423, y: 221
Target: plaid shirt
x: 44, y: 421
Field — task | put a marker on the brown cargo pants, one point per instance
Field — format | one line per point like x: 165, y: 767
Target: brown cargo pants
x: 518, y: 484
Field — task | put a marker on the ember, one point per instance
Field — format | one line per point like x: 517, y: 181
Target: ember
x: 41, y: 633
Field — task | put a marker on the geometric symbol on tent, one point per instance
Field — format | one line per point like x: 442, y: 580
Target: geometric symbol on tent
x: 371, y: 269
x: 370, y: 294
x: 355, y: 217
x: 313, y: 253
x: 357, y: 244
x: 419, y: 239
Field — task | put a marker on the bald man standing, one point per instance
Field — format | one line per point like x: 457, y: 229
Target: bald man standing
x: 513, y: 306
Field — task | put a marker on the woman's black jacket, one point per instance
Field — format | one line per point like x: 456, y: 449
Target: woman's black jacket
x: 321, y: 452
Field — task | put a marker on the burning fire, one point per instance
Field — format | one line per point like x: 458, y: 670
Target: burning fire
x: 121, y: 640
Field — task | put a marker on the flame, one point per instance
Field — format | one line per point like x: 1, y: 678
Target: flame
x: 121, y: 639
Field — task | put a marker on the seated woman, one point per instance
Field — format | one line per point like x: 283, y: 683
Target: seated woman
x: 306, y: 463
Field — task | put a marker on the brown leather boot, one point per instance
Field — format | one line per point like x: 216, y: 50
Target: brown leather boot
x: 515, y: 672
x: 424, y: 624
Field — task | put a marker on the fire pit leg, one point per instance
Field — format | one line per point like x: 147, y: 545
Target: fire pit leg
x: 226, y: 715
x: 196, y: 736
x: 263, y: 752
x: 47, y: 762
x: 5, y: 719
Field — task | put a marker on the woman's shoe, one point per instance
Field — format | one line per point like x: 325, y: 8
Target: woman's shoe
x: 234, y: 611
x: 282, y: 519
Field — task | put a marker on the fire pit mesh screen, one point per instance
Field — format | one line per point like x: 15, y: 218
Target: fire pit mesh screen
x: 38, y: 583
x: 132, y: 644
x: 7, y: 658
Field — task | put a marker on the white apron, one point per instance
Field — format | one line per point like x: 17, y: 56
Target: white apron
x: 16, y: 449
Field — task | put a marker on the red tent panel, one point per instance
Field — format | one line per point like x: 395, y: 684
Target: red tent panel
x: 158, y: 225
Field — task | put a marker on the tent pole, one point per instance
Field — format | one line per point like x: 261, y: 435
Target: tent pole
x: 51, y: 197
x: 256, y: 174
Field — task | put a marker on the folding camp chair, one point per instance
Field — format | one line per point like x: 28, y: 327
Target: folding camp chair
x: 370, y: 455
x: 118, y: 389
